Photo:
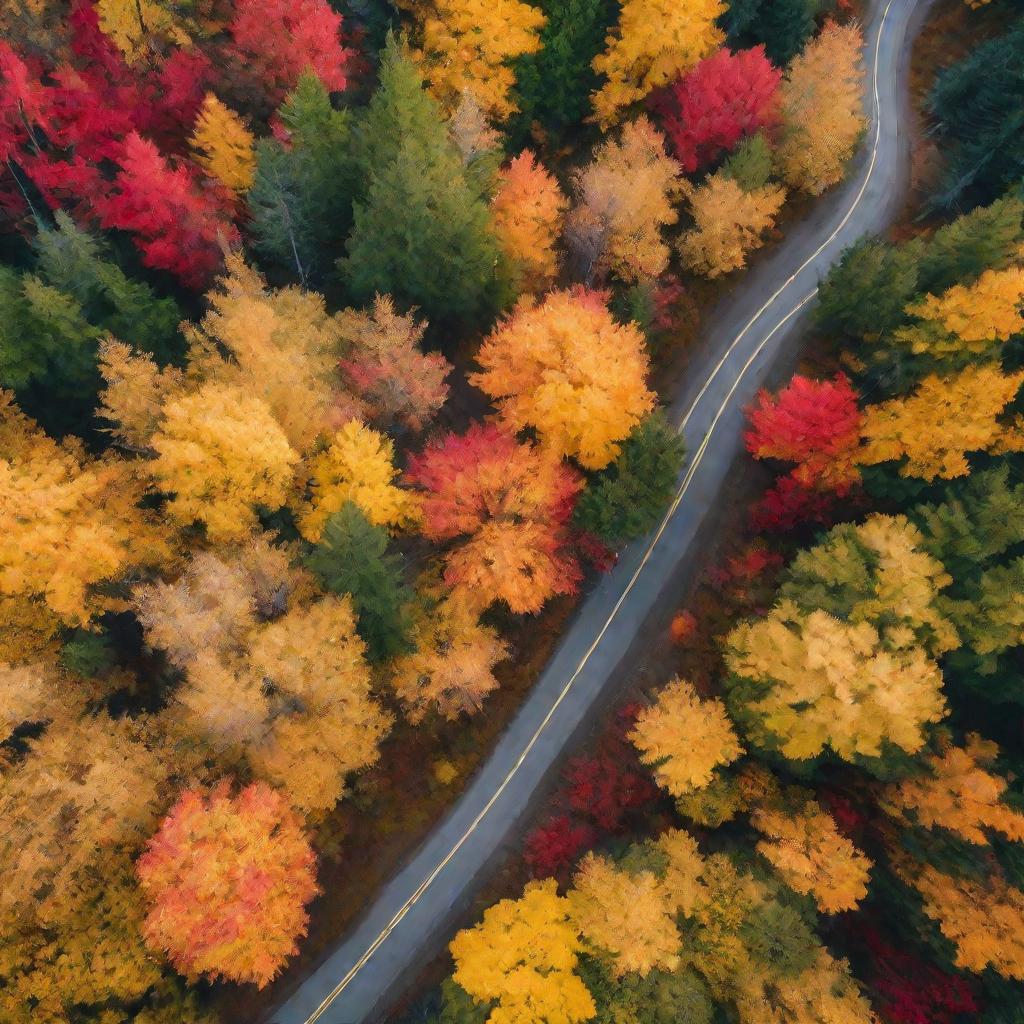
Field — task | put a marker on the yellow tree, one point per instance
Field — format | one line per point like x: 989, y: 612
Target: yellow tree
x: 812, y: 681
x: 134, y: 392
x: 220, y: 454
x: 567, y: 369
x: 682, y: 884
x: 958, y: 794
x: 655, y: 42
x: 968, y: 319
x: 824, y: 993
x: 452, y: 668
x: 624, y: 915
x: 820, y: 101
x: 68, y: 525
x: 468, y: 46
x: 527, y: 209
x: 323, y: 721
x: 357, y: 466
x: 279, y: 344
x: 84, y: 787
x: 934, y: 429
x: 728, y: 223
x: 138, y: 27
x: 223, y: 145
x: 876, y: 572
x: 623, y: 201
x: 984, y: 919
x: 809, y: 852
x: 684, y: 738
x: 521, y: 956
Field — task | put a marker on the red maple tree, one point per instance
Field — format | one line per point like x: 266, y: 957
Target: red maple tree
x: 724, y: 98
x: 274, y: 41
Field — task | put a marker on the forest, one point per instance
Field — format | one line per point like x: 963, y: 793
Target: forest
x: 819, y: 817
x: 334, y: 340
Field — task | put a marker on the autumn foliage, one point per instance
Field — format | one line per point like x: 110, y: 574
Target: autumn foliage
x: 228, y: 878
x: 566, y: 368
x: 727, y: 96
x: 506, y: 504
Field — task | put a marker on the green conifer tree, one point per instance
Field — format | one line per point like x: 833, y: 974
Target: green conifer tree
x: 422, y: 232
x: 626, y: 500
x: 352, y: 557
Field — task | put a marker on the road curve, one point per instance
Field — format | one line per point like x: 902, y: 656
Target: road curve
x: 747, y: 334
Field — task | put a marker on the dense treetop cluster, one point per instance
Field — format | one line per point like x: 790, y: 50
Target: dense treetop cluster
x: 326, y: 333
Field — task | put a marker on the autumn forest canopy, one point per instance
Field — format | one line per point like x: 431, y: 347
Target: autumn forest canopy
x: 335, y: 340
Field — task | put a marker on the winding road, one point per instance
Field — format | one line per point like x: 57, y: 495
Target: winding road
x: 753, y: 330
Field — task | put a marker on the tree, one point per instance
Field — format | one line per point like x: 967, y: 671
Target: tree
x: 508, y: 504
x: 783, y: 26
x: 823, y: 993
x: 554, y: 83
x: 566, y: 368
x: 977, y: 106
x: 684, y: 738
x: 877, y: 572
x: 323, y: 722
x: 958, y: 793
x: 274, y: 41
x: 866, y: 292
x: 979, y: 518
x: 301, y: 197
x: 228, y: 879
x: 990, y: 616
x: 451, y: 669
x: 179, y: 224
x: 422, y: 231
x: 521, y: 956
x: 967, y: 321
x: 627, y: 498
x: 386, y: 367
x: 984, y: 919
x: 351, y: 557
x: 815, y: 424
x: 624, y: 915
x: 750, y: 164
x: 934, y: 429
x: 726, y: 97
x: 728, y: 223
x: 139, y: 27
x: 224, y: 146
x: 812, y: 856
x: 623, y: 201
x: 986, y: 238
x: 84, y: 786
x: 821, y: 109
x: 527, y: 210
x: 654, y: 42
x: 134, y: 393
x: 357, y: 467
x: 220, y: 453
x: 804, y: 682
x: 468, y: 46
x: 68, y: 524
x: 556, y: 844
x: 279, y: 344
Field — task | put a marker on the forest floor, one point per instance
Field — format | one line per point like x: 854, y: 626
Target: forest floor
x: 394, y: 805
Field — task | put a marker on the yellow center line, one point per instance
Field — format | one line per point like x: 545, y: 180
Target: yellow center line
x: 680, y: 493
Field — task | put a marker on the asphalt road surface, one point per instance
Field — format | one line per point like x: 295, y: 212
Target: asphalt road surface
x: 755, y: 327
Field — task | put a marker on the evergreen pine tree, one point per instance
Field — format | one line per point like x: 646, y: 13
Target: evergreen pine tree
x: 301, y: 199
x: 553, y: 85
x: 352, y: 558
x: 422, y: 232
x: 626, y: 500
x: 784, y: 26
